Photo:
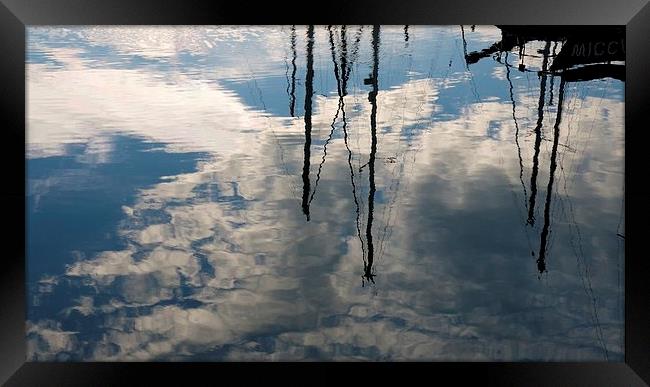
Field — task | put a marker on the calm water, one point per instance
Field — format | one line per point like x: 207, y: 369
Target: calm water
x: 279, y: 193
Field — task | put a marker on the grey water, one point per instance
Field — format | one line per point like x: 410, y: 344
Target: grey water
x: 222, y: 193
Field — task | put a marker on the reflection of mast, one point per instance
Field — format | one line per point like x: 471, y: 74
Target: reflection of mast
x: 541, y: 263
x: 538, y: 138
x: 309, y: 90
x: 406, y: 35
x: 292, y: 95
x: 372, y: 97
x: 552, y: 80
x: 344, y: 62
x: 462, y: 32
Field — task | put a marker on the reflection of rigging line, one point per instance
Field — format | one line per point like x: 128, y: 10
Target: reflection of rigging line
x: 514, y: 118
x: 388, y: 229
x: 338, y: 84
x: 593, y: 122
x: 268, y: 119
x: 342, y: 91
x: 471, y: 76
x: 336, y: 66
x: 355, y: 50
x: 521, y: 167
x: 620, y: 252
x: 353, y: 56
x: 538, y: 139
x: 354, y: 188
x: 415, y: 152
x: 286, y: 75
x: 355, y: 96
x: 320, y: 167
x: 583, y: 268
x: 574, y: 177
x: 348, y: 71
x: 394, y: 187
x: 396, y: 183
x: 475, y: 90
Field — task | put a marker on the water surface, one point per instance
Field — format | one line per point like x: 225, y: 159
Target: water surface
x: 315, y: 193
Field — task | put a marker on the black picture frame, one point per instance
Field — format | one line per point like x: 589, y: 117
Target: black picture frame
x: 15, y: 15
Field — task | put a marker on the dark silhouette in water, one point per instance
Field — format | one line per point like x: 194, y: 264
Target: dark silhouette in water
x: 309, y: 91
x: 372, y: 97
x: 538, y: 138
x: 292, y: 93
x: 541, y: 259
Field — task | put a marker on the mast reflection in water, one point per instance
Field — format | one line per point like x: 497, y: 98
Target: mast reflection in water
x: 184, y: 204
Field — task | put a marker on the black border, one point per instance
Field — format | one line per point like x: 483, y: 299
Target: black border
x: 16, y: 14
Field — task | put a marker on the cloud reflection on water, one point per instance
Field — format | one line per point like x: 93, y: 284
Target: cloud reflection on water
x: 220, y: 262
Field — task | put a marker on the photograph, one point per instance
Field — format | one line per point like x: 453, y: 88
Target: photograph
x: 325, y: 193
x: 198, y: 192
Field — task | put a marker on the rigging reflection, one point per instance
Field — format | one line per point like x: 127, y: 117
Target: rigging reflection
x: 585, y: 54
x: 247, y: 272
